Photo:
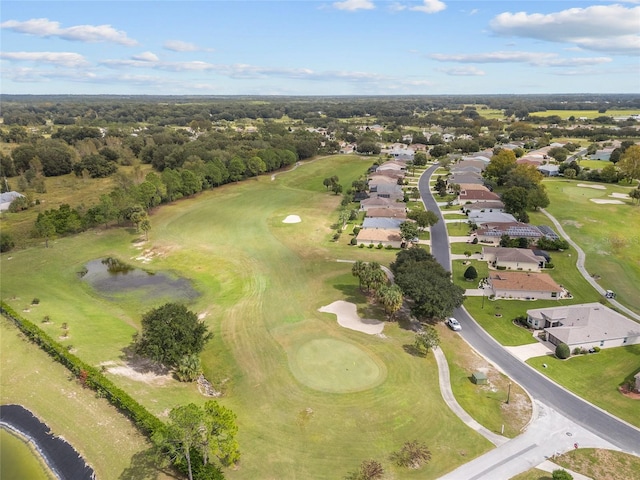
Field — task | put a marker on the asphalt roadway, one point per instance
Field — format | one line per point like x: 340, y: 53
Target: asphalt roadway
x: 549, y: 396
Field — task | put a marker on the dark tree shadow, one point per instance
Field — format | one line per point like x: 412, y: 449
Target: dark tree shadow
x: 413, y: 351
x: 145, y: 465
x: 142, y: 364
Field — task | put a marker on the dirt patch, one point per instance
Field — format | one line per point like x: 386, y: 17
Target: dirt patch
x: 620, y: 195
x: 140, y: 370
x: 572, y: 223
x: 149, y: 254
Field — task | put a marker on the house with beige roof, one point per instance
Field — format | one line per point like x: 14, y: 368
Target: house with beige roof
x: 387, y: 212
x: 522, y: 259
x: 477, y: 195
x: 380, y: 202
x: 376, y: 236
x: 524, y: 286
x: 585, y: 325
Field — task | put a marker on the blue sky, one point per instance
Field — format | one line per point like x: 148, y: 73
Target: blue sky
x: 308, y: 47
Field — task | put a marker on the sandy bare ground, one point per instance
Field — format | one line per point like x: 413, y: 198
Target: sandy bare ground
x: 603, y: 201
x: 140, y: 375
x: 292, y: 219
x: 597, y: 187
x: 347, y: 314
x: 620, y: 195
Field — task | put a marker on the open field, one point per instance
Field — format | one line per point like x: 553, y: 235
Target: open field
x: 601, y: 464
x: 608, y: 233
x: 565, y: 114
x: 608, y: 369
x: 261, y: 283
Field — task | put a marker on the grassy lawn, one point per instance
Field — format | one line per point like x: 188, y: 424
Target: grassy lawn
x: 600, y: 376
x: 608, y: 234
x: 460, y: 248
x: 459, y: 268
x: 261, y: 282
x: 594, y: 463
x: 458, y: 229
x: 485, y: 403
x: 106, y: 439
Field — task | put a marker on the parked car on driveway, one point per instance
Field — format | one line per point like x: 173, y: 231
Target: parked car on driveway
x: 453, y: 324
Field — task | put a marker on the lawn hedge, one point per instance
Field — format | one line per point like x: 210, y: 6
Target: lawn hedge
x: 88, y: 375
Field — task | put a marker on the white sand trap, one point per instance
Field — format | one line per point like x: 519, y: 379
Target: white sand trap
x: 620, y: 195
x: 603, y: 201
x: 292, y: 219
x: 597, y: 187
x: 347, y: 314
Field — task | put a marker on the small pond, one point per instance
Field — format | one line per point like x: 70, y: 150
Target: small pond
x: 114, y: 278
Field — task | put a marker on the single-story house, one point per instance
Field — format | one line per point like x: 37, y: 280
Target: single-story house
x: 375, y: 201
x: 6, y: 198
x: 488, y: 206
x: 549, y: 170
x: 382, y: 179
x: 388, y: 212
x: 460, y: 178
x: 484, y: 217
x: 376, y: 236
x: 392, y: 165
x: 513, y: 258
x: 527, y: 286
x: 393, y: 191
x: 493, y: 232
x: 477, y: 196
x: 383, y: 222
x: 585, y: 325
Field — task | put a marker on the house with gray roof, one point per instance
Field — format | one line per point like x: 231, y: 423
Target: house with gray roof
x: 513, y: 258
x: 388, y: 223
x: 585, y: 325
x: 6, y: 199
x: 492, y: 232
x: 482, y: 218
x: 549, y: 170
x: 487, y: 206
x: 468, y: 178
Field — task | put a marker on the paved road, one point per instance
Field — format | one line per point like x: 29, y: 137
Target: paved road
x: 547, y: 393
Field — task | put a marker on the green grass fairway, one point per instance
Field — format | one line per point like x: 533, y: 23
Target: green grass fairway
x: 609, y: 234
x: 600, y: 376
x: 335, y: 366
x: 261, y: 283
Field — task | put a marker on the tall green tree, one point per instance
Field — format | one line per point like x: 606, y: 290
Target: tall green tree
x: 390, y: 296
x: 169, y: 333
x: 629, y: 163
x: 500, y: 165
x: 427, y: 339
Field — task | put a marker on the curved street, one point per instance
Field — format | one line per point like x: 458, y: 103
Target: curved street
x: 574, y: 419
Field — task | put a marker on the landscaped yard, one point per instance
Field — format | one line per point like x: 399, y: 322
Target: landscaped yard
x: 596, y: 377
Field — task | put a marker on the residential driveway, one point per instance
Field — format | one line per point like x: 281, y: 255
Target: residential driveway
x: 474, y: 292
x: 524, y: 352
x: 460, y: 239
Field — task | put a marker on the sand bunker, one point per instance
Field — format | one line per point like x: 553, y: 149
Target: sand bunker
x: 603, y: 201
x: 292, y: 219
x: 597, y: 187
x: 347, y: 314
x: 620, y: 195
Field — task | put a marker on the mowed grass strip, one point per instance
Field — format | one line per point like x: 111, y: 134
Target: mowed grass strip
x: 596, y: 378
x: 261, y: 283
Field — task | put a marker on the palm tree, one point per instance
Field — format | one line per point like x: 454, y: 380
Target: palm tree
x: 358, y: 270
x: 391, y: 299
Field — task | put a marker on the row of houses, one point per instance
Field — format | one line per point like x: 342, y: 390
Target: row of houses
x: 384, y: 206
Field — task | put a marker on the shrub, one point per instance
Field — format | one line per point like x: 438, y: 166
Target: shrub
x: 388, y: 247
x: 501, y: 267
x: 561, y: 474
x: 562, y: 351
x: 35, y: 301
x: 354, y: 241
x: 596, y: 349
x: 471, y: 273
x: 474, y: 241
x: 379, y: 246
x: 356, y: 230
x: 361, y: 245
x: 6, y: 242
x: 579, y: 351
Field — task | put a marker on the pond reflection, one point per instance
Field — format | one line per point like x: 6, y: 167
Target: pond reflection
x: 112, y: 277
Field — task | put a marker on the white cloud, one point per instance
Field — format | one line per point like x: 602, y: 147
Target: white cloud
x: 43, y: 27
x: 463, y: 71
x: 180, y: 46
x: 430, y: 6
x: 532, y: 58
x: 61, y: 59
x: 353, y: 5
x: 146, y: 57
x: 607, y: 28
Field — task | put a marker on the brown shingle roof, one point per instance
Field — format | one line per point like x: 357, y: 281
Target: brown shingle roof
x: 516, y: 281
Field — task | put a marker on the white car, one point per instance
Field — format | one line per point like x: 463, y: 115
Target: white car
x: 454, y: 324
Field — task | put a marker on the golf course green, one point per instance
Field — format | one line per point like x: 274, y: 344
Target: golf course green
x: 313, y: 399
